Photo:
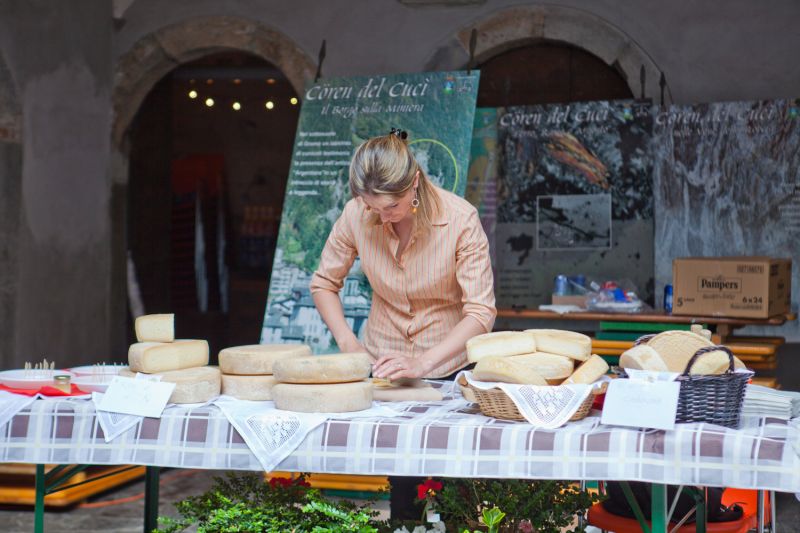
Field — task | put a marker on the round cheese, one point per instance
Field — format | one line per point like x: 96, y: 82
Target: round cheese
x: 643, y: 357
x: 711, y: 363
x: 339, y: 368
x: 677, y: 347
x: 561, y: 342
x: 153, y: 357
x: 504, y: 370
x: 192, y: 385
x: 155, y: 328
x: 257, y: 359
x: 327, y: 398
x: 256, y: 388
x: 590, y: 371
x: 500, y: 344
x: 553, y: 368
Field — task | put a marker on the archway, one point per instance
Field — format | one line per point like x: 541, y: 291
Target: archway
x: 10, y: 198
x: 138, y: 72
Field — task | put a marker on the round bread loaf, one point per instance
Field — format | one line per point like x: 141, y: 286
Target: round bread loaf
x: 255, y: 388
x: 504, y: 370
x: 500, y: 344
x: 257, y: 359
x: 338, y: 368
x: 562, y: 342
x: 327, y: 398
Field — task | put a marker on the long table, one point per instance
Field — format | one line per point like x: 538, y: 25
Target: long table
x: 449, y: 439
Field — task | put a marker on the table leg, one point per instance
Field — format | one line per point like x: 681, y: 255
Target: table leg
x: 658, y: 508
x: 38, y: 510
x: 151, y: 498
x: 634, y: 505
x: 700, y: 510
x: 760, y: 511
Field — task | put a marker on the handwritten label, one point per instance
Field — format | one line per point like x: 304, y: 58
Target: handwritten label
x: 641, y: 404
x: 140, y: 397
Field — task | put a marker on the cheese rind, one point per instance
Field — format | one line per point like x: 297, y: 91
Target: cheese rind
x: 552, y: 367
x: 155, y: 328
x: 324, y: 398
x: 500, y: 344
x: 258, y: 359
x: 562, y: 342
x: 192, y: 385
x: 339, y: 368
x: 255, y: 388
x: 154, y: 357
x: 643, y: 357
x: 504, y: 370
x: 590, y: 371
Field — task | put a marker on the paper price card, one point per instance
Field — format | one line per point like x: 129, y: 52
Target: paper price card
x: 642, y: 404
x: 138, y: 397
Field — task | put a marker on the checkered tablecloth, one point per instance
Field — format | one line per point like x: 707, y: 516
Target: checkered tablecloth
x: 430, y: 439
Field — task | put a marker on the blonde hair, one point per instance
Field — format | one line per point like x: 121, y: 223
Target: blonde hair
x: 385, y: 165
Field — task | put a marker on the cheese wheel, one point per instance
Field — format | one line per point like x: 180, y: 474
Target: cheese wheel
x: 500, y: 344
x: 711, y: 363
x: 561, y: 342
x: 677, y: 347
x: 339, y: 368
x: 326, y: 398
x: 256, y: 388
x: 643, y: 357
x: 590, y: 371
x: 553, y: 368
x: 155, y: 328
x: 257, y: 359
x: 192, y: 385
x: 504, y: 370
x: 153, y: 357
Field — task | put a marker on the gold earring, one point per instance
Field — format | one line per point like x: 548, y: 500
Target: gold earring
x: 414, y: 204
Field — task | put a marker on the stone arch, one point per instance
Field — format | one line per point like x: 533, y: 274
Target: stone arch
x: 163, y: 50
x: 10, y: 112
x: 518, y: 26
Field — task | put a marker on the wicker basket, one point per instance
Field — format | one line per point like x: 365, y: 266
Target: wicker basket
x: 497, y: 404
x: 716, y: 399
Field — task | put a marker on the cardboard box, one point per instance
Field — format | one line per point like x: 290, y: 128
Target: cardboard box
x: 744, y: 287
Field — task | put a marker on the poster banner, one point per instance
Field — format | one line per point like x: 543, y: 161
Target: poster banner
x: 574, y: 197
x: 482, y: 175
x: 436, y: 109
x: 727, y: 182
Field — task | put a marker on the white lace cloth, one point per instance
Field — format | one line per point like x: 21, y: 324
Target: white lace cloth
x: 272, y: 434
x: 547, y: 407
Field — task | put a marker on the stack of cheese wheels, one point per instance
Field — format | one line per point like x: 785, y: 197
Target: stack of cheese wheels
x: 324, y: 383
x: 535, y: 357
x: 247, y: 370
x: 183, y: 362
x: 671, y: 351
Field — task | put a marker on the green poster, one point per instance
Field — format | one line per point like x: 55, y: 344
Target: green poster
x: 436, y: 109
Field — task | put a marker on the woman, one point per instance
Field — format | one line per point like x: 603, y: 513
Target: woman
x: 426, y: 257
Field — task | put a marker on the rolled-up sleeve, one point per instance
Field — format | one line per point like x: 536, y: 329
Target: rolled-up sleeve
x: 474, y: 273
x: 337, y: 257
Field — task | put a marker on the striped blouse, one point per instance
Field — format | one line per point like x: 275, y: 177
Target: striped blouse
x: 442, y: 276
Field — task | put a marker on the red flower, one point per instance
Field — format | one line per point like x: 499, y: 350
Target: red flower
x: 280, y: 481
x: 428, y: 488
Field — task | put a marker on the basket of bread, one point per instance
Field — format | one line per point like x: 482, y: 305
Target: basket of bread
x: 543, y: 357
x: 713, y: 381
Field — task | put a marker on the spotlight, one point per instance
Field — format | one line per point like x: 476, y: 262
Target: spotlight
x: 293, y: 100
x: 270, y: 104
x: 192, y: 94
x: 210, y: 102
x: 236, y: 106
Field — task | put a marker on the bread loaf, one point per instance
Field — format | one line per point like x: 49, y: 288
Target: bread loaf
x: 328, y: 398
x: 500, y: 344
x: 561, y: 342
x: 339, y: 368
x: 503, y: 370
x: 257, y: 359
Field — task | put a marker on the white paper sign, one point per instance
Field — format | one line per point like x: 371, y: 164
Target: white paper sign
x: 139, y: 397
x: 642, y: 404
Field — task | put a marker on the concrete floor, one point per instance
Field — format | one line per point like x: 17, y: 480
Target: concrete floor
x: 102, y: 515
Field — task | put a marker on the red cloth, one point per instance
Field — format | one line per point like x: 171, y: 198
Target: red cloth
x: 598, y: 401
x: 47, y: 390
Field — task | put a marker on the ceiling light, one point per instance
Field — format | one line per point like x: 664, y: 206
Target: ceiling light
x: 236, y: 106
x: 192, y: 94
x: 270, y: 104
x: 210, y: 102
x: 293, y: 100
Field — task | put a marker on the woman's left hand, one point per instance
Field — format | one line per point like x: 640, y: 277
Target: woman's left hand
x: 395, y: 366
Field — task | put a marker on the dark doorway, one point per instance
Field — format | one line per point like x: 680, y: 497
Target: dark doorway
x: 210, y: 152
x: 548, y: 72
